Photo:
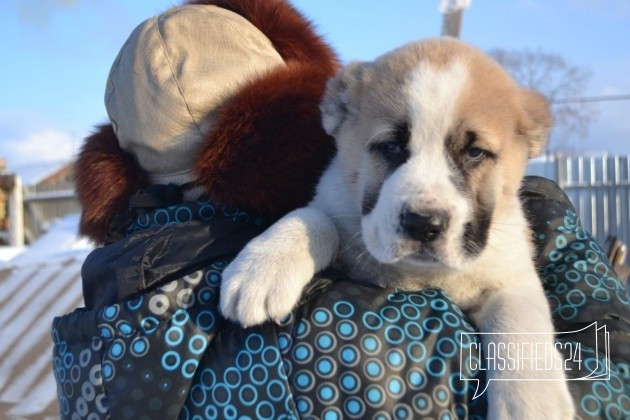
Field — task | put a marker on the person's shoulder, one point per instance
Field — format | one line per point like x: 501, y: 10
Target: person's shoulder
x: 540, y: 188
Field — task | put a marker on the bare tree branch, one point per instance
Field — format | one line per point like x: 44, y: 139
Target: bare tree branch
x: 552, y: 76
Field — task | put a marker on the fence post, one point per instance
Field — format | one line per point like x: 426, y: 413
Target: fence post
x: 16, y: 211
x: 560, y: 173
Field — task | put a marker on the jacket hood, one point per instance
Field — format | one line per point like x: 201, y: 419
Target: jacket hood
x: 267, y: 147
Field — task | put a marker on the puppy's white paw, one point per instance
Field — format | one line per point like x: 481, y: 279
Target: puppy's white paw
x: 262, y: 285
x: 530, y: 399
x: 266, y: 279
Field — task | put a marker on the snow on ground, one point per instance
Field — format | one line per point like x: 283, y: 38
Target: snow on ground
x: 60, y: 242
x: 9, y: 252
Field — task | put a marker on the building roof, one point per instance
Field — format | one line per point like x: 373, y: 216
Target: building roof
x: 34, y: 174
x: 38, y: 284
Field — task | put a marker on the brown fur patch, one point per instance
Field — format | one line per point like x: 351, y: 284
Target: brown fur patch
x: 269, y: 148
x: 106, y: 177
x: 509, y: 121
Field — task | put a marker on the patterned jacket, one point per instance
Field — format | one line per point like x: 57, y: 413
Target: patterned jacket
x: 151, y: 342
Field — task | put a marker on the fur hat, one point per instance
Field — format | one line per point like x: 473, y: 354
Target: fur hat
x: 169, y: 78
x: 259, y: 144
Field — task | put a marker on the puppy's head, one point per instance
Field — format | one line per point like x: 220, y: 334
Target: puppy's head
x: 433, y: 140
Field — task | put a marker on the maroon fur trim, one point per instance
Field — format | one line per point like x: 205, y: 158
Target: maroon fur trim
x: 106, y: 177
x: 269, y: 148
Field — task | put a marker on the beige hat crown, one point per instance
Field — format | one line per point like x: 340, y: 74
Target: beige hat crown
x: 169, y: 77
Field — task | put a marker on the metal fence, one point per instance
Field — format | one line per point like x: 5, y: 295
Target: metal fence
x: 599, y: 188
x: 43, y: 207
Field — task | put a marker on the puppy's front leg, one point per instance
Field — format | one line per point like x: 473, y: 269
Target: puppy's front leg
x: 267, y: 277
x: 531, y: 382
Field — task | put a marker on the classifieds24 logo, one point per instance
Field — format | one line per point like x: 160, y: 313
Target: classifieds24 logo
x: 525, y: 354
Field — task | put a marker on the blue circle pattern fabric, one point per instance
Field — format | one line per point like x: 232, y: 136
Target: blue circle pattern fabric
x: 582, y: 287
x: 350, y: 350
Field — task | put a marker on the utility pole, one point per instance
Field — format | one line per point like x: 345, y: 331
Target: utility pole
x: 453, y: 11
x: 11, y: 202
x: 16, y: 213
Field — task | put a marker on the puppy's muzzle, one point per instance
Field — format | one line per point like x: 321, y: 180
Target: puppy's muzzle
x: 425, y: 227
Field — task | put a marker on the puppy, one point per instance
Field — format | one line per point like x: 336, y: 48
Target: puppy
x: 433, y: 139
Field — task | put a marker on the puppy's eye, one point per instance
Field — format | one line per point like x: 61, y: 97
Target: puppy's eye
x: 394, y: 148
x: 391, y: 148
x: 475, y: 153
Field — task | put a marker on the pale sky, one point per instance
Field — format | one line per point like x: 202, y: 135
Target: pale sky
x: 57, y: 54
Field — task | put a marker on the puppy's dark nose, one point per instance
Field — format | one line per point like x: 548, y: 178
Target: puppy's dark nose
x: 424, y: 227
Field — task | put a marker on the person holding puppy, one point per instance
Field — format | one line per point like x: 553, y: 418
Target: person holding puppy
x: 214, y: 133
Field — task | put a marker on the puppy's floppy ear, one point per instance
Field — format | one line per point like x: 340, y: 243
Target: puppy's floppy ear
x: 341, y: 99
x: 536, y: 121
